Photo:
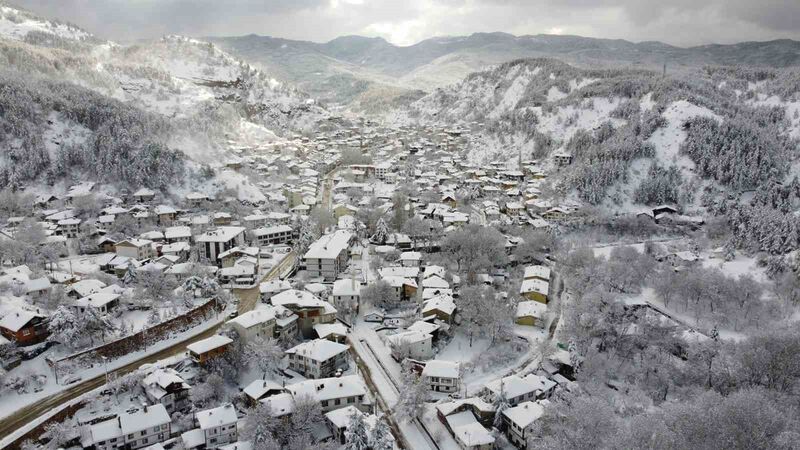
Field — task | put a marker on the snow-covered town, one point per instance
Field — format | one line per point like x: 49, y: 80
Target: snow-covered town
x: 243, y: 242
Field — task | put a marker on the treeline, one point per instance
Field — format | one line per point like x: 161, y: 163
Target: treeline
x: 742, y: 151
x: 126, y: 144
x: 603, y: 157
x: 644, y: 382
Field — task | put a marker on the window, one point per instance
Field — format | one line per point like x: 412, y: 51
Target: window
x: 26, y: 332
x: 144, y: 432
x: 350, y: 399
x: 338, y: 402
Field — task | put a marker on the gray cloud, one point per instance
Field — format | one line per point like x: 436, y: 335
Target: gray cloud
x: 679, y: 22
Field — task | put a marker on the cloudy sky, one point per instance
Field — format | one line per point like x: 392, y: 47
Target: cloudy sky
x: 404, y: 22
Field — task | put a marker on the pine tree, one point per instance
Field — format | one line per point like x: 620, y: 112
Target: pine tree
x: 381, y: 232
x: 130, y: 275
x: 355, y: 436
x: 381, y: 436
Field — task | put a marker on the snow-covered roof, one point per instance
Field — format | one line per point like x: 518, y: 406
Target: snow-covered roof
x: 408, y: 336
x: 193, y: 438
x: 340, y: 418
x: 302, y: 299
x: 441, y: 302
x: 216, y: 417
x: 534, y: 285
x: 435, y: 281
x: 208, y: 344
x: 542, y: 272
x: 149, y: 417
x: 274, y: 286
x: 280, y: 404
x: 348, y: 287
x: 14, y: 321
x: 326, y: 329
x: 424, y: 327
x: 329, y: 388
x: 513, y: 386
x: 221, y: 234
x: 524, y: 414
x: 258, y: 388
x: 531, y: 309
x: 319, y: 349
x: 397, y: 271
x: 254, y: 317
x: 468, y: 430
x: 441, y: 369
x: 330, y: 245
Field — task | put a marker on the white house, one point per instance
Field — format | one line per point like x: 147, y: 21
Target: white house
x: 214, y: 242
x: 334, y: 393
x: 519, y: 421
x: 411, y: 344
x: 142, y: 428
x: 328, y: 255
x: 442, y: 376
x: 346, y: 294
x: 255, y: 324
x: 218, y: 425
x: 319, y: 358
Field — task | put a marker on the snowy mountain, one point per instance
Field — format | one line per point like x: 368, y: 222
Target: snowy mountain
x: 348, y: 67
x: 635, y: 136
x: 187, y: 96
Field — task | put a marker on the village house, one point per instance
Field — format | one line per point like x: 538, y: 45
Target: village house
x: 277, y: 234
x: 334, y: 393
x: 442, y: 376
x: 441, y: 306
x: 209, y: 348
x: 167, y: 387
x: 346, y: 294
x: 253, y: 325
x: 319, y: 358
x: 24, y: 327
x: 130, y: 430
x: 519, y: 422
x: 269, y: 288
x: 180, y: 233
x: 334, y: 332
x: 258, y: 390
x: 138, y: 249
x: 214, y: 242
x: 309, y: 309
x: 218, y: 425
x: 69, y: 227
x: 327, y: 257
x: 530, y: 313
x: 411, y: 344
x: 518, y: 389
x: 535, y: 289
x: 144, y: 195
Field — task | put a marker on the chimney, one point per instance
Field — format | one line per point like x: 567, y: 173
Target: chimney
x: 145, y: 407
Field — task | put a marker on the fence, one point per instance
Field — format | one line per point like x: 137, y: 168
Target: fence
x: 135, y: 342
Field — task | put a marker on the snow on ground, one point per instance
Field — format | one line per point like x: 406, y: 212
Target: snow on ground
x: 569, y: 119
x: 741, y: 265
x: 554, y: 94
x: 14, y: 402
x: 61, y: 132
x: 15, y: 24
x: 667, y: 140
x: 513, y: 94
x: 647, y: 103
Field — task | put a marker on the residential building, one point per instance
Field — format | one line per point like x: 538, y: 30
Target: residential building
x: 319, y: 358
x: 334, y: 393
x: 328, y: 256
x: 442, y: 376
x: 218, y: 425
x: 217, y: 241
x: 255, y: 324
x: 209, y: 348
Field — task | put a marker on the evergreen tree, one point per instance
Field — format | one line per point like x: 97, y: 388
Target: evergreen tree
x: 381, y: 436
x: 355, y: 436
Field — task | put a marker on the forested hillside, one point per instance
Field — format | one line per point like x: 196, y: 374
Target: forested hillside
x: 76, y: 106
